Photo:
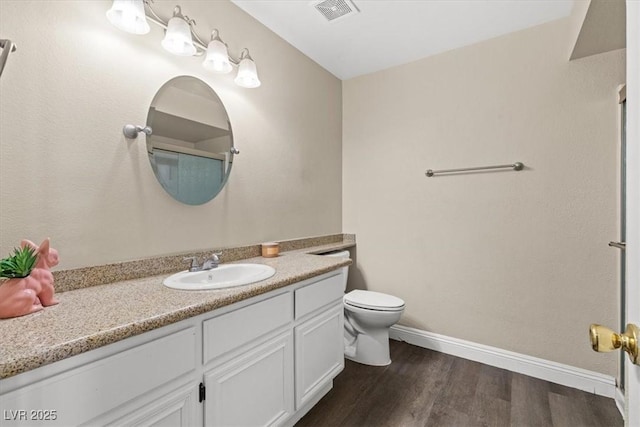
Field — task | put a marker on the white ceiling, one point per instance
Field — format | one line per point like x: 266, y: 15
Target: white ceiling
x: 387, y: 33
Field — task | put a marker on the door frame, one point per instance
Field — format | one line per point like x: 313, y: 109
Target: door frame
x: 632, y: 252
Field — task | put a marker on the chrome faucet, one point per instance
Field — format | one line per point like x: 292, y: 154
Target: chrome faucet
x: 211, y: 262
x: 208, y: 264
x: 194, y: 263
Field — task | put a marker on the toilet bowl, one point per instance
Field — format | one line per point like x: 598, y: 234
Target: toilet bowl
x: 368, y: 316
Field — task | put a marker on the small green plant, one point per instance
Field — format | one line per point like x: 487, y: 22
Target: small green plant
x: 19, y: 264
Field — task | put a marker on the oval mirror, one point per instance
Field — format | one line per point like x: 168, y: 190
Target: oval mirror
x: 191, y: 145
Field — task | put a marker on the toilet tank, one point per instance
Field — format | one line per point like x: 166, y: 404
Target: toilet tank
x: 345, y: 270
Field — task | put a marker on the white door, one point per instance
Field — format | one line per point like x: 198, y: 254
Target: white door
x: 632, y: 372
x: 603, y: 339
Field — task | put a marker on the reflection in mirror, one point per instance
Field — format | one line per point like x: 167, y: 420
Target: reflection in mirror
x: 191, y: 148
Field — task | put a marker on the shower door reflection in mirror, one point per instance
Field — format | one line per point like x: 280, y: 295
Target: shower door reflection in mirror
x: 190, y: 149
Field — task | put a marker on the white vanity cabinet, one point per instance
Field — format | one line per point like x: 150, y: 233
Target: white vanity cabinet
x: 260, y: 362
x: 99, y: 391
x: 319, y: 332
x: 248, y: 356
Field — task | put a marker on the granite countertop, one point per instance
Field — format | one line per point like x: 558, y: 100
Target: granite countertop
x: 96, y: 316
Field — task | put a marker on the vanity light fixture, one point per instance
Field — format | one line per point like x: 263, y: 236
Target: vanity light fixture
x: 129, y: 16
x: 180, y: 39
x: 217, y: 59
x: 247, y: 74
x: 177, y: 38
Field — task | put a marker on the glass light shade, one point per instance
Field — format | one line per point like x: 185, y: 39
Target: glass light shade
x: 128, y: 15
x: 217, y: 59
x: 177, y: 38
x: 247, y: 74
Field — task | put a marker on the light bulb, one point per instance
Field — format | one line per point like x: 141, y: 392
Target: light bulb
x: 129, y: 16
x: 217, y: 59
x: 247, y: 73
x: 177, y: 38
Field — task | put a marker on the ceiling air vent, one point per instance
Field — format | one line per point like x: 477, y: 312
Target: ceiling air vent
x: 334, y: 10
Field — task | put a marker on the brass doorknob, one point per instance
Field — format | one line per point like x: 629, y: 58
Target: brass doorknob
x: 604, y: 340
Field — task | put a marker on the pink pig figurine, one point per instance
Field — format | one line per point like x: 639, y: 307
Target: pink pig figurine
x: 19, y: 297
x: 47, y: 258
x: 29, y: 294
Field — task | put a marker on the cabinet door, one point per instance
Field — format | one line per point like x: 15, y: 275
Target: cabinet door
x: 82, y: 394
x: 253, y: 389
x: 319, y: 352
x: 179, y: 408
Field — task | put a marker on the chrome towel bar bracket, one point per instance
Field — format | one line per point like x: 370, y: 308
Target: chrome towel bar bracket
x: 517, y: 166
x: 132, y: 131
x: 619, y: 245
x: 7, y: 47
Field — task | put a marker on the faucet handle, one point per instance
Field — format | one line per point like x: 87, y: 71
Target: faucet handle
x: 211, y: 262
x: 194, y: 263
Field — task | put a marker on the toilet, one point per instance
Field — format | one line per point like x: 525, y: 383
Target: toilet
x: 368, y: 316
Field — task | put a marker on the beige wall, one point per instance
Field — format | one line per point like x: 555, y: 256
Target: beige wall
x: 67, y: 172
x: 602, y: 29
x: 515, y: 260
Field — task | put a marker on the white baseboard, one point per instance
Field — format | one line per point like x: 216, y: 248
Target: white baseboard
x: 620, y: 402
x: 593, y: 382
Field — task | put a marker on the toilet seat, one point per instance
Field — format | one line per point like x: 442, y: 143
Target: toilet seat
x: 370, y: 300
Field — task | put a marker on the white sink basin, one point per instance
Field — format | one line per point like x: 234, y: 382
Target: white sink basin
x: 223, y: 276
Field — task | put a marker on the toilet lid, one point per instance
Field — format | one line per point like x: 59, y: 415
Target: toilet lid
x: 373, y: 300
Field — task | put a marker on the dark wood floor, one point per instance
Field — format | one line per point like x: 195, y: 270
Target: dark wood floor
x: 426, y: 388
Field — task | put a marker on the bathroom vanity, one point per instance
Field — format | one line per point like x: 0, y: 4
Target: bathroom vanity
x: 262, y: 360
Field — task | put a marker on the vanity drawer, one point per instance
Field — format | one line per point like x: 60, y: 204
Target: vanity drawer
x: 232, y: 330
x: 318, y: 294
